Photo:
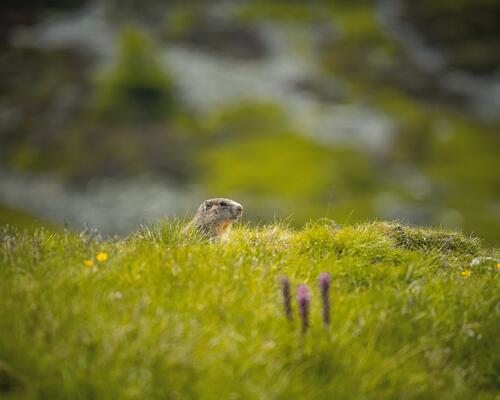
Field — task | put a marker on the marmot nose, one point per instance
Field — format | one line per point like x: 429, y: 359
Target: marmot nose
x: 239, y: 209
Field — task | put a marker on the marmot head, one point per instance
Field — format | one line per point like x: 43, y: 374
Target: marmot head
x: 215, y: 216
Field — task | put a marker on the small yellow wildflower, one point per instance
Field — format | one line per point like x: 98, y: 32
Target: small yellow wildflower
x: 102, y: 256
x: 88, y: 263
x: 465, y: 273
x: 498, y: 265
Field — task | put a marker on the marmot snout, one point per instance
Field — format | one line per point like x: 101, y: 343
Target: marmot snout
x: 216, y: 216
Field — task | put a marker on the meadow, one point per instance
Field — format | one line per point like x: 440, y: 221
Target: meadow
x: 159, y: 314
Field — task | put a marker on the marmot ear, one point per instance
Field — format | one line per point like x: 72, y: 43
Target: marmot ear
x: 207, y: 205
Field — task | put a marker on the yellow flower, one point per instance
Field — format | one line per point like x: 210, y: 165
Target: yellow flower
x: 88, y: 263
x: 498, y: 265
x: 465, y: 273
x: 102, y: 256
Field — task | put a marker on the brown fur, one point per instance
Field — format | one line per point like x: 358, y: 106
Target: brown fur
x: 215, y: 217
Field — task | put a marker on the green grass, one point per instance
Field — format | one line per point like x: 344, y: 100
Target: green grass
x: 169, y: 316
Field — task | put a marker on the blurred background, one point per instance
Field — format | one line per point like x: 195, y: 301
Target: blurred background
x: 115, y: 113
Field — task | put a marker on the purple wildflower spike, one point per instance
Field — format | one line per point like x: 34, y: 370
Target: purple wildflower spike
x: 287, y: 296
x: 303, y: 298
x: 324, y: 287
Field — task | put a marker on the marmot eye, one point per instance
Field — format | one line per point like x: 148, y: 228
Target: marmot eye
x: 223, y: 204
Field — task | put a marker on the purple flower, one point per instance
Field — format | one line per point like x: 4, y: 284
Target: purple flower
x: 287, y: 296
x: 324, y: 287
x: 303, y: 298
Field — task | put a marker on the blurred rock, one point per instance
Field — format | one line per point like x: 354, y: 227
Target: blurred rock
x: 87, y: 30
x: 111, y: 206
x: 226, y: 39
x: 476, y: 89
x: 325, y: 90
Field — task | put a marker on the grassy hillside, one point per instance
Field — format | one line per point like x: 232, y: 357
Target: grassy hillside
x: 161, y: 315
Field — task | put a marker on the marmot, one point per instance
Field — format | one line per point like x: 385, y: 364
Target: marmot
x: 215, y: 217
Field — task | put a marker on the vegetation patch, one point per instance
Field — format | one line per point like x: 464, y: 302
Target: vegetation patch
x: 425, y: 239
x: 161, y: 314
